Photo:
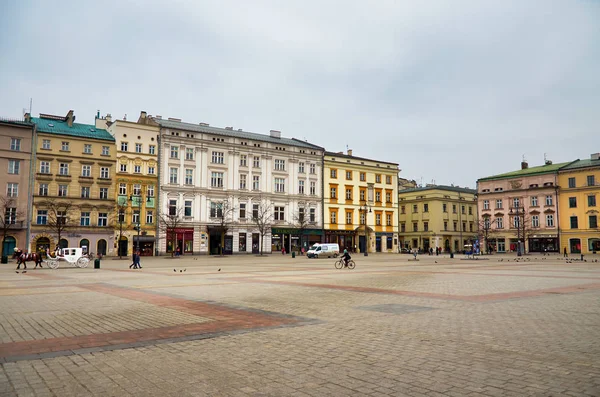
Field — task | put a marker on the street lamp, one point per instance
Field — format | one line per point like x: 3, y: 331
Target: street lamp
x: 138, y: 226
x: 518, y: 212
x: 366, y: 208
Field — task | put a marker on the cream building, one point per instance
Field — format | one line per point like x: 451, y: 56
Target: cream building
x: 136, y: 183
x: 360, y: 203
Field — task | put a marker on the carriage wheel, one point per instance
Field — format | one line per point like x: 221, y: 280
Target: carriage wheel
x: 52, y: 263
x: 82, y: 262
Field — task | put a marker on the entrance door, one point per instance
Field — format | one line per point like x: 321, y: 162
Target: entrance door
x: 378, y: 244
x: 228, y: 249
x: 361, y: 243
x: 101, y: 247
x: 8, y: 248
x: 255, y: 243
x: 123, y: 246
x: 41, y: 244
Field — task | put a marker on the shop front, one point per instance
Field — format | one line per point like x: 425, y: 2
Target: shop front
x: 384, y: 242
x: 145, y: 244
x: 544, y: 243
x: 345, y: 238
x: 294, y: 239
x: 184, y: 240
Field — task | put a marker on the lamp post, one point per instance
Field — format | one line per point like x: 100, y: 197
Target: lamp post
x: 138, y: 226
x: 518, y: 212
x: 365, y: 208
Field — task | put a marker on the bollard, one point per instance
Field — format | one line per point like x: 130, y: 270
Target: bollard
x: 582, y: 257
x: 293, y: 254
x: 452, y: 255
x: 96, y: 263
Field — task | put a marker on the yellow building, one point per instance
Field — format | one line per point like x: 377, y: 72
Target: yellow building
x: 73, y: 191
x: 578, y: 206
x: 360, y: 193
x: 437, y: 216
x: 136, y: 182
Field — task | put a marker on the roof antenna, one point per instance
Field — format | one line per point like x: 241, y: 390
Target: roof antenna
x: 545, y: 158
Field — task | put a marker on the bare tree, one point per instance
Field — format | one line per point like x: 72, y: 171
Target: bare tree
x: 301, y: 222
x: 60, y: 216
x: 487, y: 231
x: 171, y: 221
x: 262, y: 217
x: 222, y: 213
x: 8, y: 207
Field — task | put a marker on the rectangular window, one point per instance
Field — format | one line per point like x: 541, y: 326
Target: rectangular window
x: 548, y: 200
x: 334, y: 193
x: 243, y: 160
x: 104, y: 173
x: 462, y: 209
x: 124, y: 146
x: 85, y: 219
x: 102, y: 219
x: 187, y: 208
x: 378, y: 197
x: 135, y: 217
x: 312, y: 215
x: 348, y: 194
x: 403, y: 227
x: 464, y: 226
x: 415, y: 208
x: 172, y: 207
x: 151, y: 170
x: 256, y: 162
x: 46, y: 144
x: 218, y: 157
x: 348, y: 218
x: 137, y: 169
x: 10, y: 216
x: 86, y: 170
x: 415, y: 227
x: 15, y: 144
x: 334, y: 173
x: 216, y: 179
x: 85, y: 192
x: 150, y: 191
x: 279, y: 165
x: 313, y: 188
x: 499, y: 223
x: 574, y: 224
x: 486, y: 205
x: 445, y: 226
x: 313, y: 168
x: 254, y: 211
x: 103, y: 193
x: 151, y: 149
x: 454, y: 208
x: 174, y: 152
x: 470, y: 210
x: 137, y: 189
x: 62, y: 190
x: 105, y: 151
x: 243, y: 181
x: 592, y: 200
x: 535, y: 221
x: 279, y: 185
x: 534, y: 201
x: 173, y: 172
x: 378, y: 219
x: 189, y: 153
x: 425, y: 207
x: 14, y: 166
x: 149, y: 216
x: 12, y: 189
x: 42, y: 217
x: 122, y: 189
x: 242, y: 210
x: 87, y: 148
x: 64, y: 146
x: 279, y: 213
x: 388, y: 220
x: 349, y: 175
x: 255, y: 182
x: 377, y: 178
x: 571, y: 182
x: 591, y: 180
x: 388, y: 197
x: 403, y: 209
x: 550, y: 220
x: 445, y: 206
x: 455, y: 224
x: 43, y: 191
x: 363, y: 176
x: 301, y: 214
x: 333, y: 217
x: 572, y: 202
x: 498, y: 204
x: 138, y: 148
x: 300, y: 187
x: 123, y: 167
x: 388, y: 179
x: 189, y: 176
x: 425, y: 226
x: 593, y: 221
x: 301, y: 168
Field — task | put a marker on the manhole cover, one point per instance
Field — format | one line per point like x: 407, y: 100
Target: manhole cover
x: 394, y: 308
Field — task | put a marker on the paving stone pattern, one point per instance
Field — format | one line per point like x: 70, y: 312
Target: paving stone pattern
x: 278, y: 326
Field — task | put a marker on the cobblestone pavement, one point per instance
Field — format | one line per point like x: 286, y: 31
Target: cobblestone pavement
x: 282, y: 326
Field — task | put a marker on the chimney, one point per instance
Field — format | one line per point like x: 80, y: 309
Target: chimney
x: 595, y: 156
x: 98, y: 114
x: 27, y: 117
x: 108, y: 118
x: 158, y: 117
x: 349, y: 152
x: 70, y: 118
x: 229, y: 128
x: 524, y: 165
x: 143, y: 119
x: 174, y: 119
x: 275, y: 134
x: 204, y: 124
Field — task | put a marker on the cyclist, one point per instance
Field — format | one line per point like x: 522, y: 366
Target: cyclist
x: 346, y: 257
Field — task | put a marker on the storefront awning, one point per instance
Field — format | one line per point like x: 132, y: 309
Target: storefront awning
x: 144, y: 239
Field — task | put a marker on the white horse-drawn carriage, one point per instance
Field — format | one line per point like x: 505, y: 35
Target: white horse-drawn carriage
x: 73, y: 256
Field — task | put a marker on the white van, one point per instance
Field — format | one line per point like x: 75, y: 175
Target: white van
x: 328, y: 250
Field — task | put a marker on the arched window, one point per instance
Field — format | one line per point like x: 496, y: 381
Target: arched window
x: 101, y: 250
x: 85, y: 244
x: 9, y: 245
x: 63, y: 243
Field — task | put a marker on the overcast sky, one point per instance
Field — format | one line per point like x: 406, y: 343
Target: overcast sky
x: 451, y: 90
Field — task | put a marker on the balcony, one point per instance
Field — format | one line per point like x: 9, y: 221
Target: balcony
x: 86, y: 179
x: 104, y: 181
x: 63, y: 177
x: 44, y: 176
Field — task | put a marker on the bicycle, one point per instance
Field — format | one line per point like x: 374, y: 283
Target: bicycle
x: 340, y: 264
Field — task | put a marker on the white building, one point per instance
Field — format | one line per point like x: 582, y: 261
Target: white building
x: 208, y: 174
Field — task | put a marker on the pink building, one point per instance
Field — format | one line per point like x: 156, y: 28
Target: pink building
x: 520, y: 206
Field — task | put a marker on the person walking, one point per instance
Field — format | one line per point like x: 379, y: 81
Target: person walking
x: 565, y: 252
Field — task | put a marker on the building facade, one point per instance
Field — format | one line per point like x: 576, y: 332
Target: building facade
x: 360, y: 203
x: 521, y: 207
x: 73, y: 186
x: 16, y: 139
x: 215, y: 183
x: 578, y: 206
x: 438, y: 217
x: 136, y: 183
